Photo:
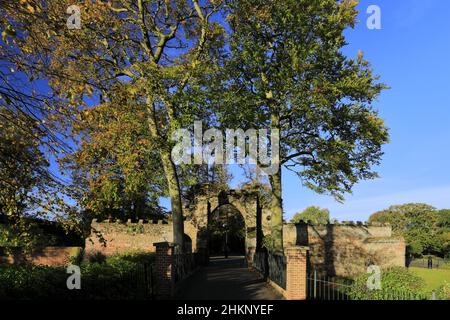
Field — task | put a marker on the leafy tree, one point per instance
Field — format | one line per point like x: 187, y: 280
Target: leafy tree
x: 159, y: 52
x: 200, y: 179
x: 416, y: 222
x: 444, y: 225
x: 27, y: 188
x: 286, y: 71
x: 444, y: 218
x: 116, y: 172
x: 314, y: 214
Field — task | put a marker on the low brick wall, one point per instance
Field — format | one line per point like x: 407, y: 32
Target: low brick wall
x: 50, y: 256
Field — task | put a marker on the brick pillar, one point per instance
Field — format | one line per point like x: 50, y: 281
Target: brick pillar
x: 296, y: 258
x: 164, y: 268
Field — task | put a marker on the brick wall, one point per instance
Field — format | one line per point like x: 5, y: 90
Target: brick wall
x: 126, y: 236
x: 50, y: 256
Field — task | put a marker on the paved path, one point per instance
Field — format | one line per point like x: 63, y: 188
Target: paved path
x: 227, y: 279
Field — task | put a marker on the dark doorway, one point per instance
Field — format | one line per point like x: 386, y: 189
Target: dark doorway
x: 227, y: 231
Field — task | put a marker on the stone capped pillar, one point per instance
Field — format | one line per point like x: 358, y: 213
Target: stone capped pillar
x: 164, y: 268
x: 296, y: 261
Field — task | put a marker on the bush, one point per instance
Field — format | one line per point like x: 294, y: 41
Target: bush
x: 395, y: 283
x: 115, y: 277
x: 96, y: 257
x: 444, y: 291
x: 76, y: 256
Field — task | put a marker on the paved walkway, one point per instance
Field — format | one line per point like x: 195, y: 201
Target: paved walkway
x: 226, y: 279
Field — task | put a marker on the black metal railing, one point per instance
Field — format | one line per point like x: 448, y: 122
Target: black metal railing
x: 136, y: 284
x: 277, y: 269
x: 185, y: 264
x: 272, y: 266
x: 260, y: 262
x: 437, y: 263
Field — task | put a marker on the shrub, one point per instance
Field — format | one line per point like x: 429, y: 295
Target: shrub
x: 444, y: 291
x: 114, y: 277
x: 76, y: 256
x: 96, y: 257
x: 395, y: 283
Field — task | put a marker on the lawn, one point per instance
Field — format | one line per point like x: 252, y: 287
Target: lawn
x: 434, y: 278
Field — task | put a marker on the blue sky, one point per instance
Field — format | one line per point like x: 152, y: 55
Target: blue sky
x: 411, y: 54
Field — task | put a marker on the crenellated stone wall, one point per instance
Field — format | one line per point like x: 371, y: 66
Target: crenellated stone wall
x: 110, y: 237
x: 347, y: 249
x: 342, y: 249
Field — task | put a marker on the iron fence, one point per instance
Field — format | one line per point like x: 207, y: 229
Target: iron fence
x: 277, y: 269
x: 185, y: 264
x: 272, y: 266
x: 322, y: 287
x: 260, y: 262
x: 437, y: 263
x: 135, y: 284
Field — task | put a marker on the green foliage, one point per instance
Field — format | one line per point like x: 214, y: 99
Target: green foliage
x: 96, y: 257
x: 444, y: 291
x: 25, y: 234
x: 227, y: 219
x: 287, y: 71
x: 28, y: 190
x: 316, y: 215
x: 109, y: 279
x: 135, y: 229
x: 76, y: 256
x: 395, y: 282
x: 268, y: 243
x: 444, y: 225
x: 116, y: 169
x: 422, y: 226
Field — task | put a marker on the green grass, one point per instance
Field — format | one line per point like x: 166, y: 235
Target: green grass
x: 433, y: 278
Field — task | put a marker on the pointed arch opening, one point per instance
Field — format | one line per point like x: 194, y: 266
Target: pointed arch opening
x: 227, y: 231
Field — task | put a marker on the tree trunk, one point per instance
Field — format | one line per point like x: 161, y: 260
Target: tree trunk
x: 276, y: 210
x: 276, y: 205
x: 173, y: 184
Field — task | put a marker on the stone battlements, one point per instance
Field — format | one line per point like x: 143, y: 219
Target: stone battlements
x: 130, y: 222
x: 346, y: 223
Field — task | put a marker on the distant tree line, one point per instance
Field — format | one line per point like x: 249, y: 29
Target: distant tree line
x: 426, y: 229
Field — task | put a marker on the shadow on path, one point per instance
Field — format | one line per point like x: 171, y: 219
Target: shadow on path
x: 226, y: 279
